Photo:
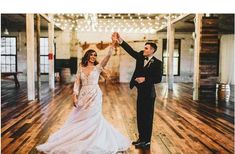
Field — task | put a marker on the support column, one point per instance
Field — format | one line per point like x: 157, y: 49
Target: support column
x: 170, y: 52
x: 198, y: 27
x: 38, y: 57
x: 51, y: 53
x: 30, y: 56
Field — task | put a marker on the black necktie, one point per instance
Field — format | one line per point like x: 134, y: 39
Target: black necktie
x: 146, y: 58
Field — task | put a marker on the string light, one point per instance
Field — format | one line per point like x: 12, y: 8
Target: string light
x: 134, y: 23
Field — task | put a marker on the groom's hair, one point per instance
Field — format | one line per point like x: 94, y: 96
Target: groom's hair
x: 153, y: 45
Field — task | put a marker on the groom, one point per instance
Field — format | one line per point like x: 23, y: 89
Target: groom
x: 148, y: 72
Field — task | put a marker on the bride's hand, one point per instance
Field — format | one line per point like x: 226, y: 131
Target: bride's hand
x: 113, y: 44
x: 114, y: 41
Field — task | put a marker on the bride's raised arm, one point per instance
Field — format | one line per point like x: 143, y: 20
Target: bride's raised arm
x: 104, y: 62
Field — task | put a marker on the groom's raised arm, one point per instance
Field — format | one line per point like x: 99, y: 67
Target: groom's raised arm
x: 116, y: 38
x: 129, y: 49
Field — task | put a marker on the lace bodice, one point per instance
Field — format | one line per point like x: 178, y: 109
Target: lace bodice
x: 83, y: 79
x: 91, y: 78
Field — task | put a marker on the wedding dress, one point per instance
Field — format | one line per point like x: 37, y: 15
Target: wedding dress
x: 86, y: 131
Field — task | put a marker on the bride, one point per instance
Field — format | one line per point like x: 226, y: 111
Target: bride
x: 86, y: 131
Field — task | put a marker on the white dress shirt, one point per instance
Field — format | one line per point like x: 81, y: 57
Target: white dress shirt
x: 146, y: 61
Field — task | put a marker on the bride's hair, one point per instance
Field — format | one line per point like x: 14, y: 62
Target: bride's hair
x: 86, y: 58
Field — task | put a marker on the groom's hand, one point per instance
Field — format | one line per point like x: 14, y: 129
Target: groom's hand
x: 140, y: 79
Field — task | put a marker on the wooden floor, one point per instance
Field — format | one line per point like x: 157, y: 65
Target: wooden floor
x: 181, y: 126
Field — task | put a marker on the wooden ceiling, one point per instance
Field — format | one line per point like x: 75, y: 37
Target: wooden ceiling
x: 17, y: 23
x: 226, y: 24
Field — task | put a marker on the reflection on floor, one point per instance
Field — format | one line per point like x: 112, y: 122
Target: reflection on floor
x: 180, y: 125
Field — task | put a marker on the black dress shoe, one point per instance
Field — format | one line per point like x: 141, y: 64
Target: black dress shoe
x: 136, y: 142
x: 143, y: 145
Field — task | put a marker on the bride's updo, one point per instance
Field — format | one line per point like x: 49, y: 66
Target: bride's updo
x: 86, y: 58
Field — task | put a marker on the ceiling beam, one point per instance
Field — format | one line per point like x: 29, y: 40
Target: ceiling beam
x: 175, y: 21
x: 179, y: 18
x: 49, y: 20
x: 46, y: 17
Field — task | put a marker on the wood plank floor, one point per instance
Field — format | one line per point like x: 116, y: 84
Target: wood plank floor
x: 181, y: 126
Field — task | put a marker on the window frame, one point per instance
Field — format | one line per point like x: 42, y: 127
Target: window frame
x: 48, y: 56
x: 10, y: 55
x: 164, y: 44
x: 44, y: 73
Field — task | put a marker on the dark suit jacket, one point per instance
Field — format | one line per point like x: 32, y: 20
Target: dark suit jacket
x: 152, y: 71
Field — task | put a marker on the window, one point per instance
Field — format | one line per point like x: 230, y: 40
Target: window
x: 8, y: 54
x: 176, y: 57
x: 44, y: 63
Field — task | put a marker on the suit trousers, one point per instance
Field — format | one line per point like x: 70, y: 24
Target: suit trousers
x: 145, y: 112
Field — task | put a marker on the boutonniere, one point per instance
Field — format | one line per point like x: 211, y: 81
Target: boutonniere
x: 150, y: 62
